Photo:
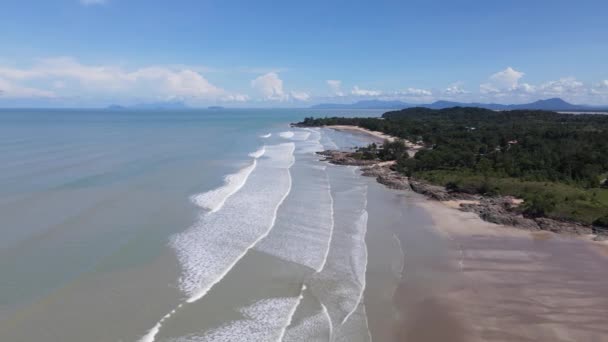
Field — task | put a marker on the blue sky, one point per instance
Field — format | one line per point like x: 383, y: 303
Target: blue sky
x: 288, y: 53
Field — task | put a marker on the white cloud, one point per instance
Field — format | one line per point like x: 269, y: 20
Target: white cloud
x: 600, y: 88
x: 507, y: 78
x: 336, y: 87
x: 563, y: 86
x: 93, y: 2
x: 100, y: 80
x: 234, y: 98
x: 299, y: 95
x: 270, y: 86
x: 415, y: 92
x: 14, y: 91
x: 455, y: 89
x: 364, y: 92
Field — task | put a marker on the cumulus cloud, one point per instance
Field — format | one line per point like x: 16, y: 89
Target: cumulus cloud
x: 336, y: 87
x: 415, y: 92
x: 601, y: 88
x: 455, y: 89
x: 505, y: 80
x: 11, y: 90
x: 506, y: 86
x: 234, y: 98
x: 154, y: 81
x: 270, y: 86
x: 364, y: 92
x: 563, y: 86
x: 299, y: 95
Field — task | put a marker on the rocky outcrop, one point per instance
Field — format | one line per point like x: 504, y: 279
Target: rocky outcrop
x: 435, y: 192
x: 563, y: 227
x: 344, y: 158
x: 498, y: 210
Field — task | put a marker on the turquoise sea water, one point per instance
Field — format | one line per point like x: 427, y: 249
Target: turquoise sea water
x: 112, y: 220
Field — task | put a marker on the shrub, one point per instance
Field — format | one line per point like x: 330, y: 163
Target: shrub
x: 539, y: 205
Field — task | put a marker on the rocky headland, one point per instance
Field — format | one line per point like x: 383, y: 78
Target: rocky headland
x: 503, y: 210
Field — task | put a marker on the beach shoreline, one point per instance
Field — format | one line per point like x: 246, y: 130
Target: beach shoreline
x: 497, y: 282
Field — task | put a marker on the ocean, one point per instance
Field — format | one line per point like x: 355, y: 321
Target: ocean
x: 192, y: 225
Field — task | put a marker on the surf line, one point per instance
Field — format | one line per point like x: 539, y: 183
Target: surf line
x: 150, y: 336
x: 363, y: 281
x: 213, y: 200
x: 291, y: 314
x: 321, y: 267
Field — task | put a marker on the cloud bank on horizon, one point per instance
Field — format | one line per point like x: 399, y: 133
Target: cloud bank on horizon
x: 65, y: 81
x: 95, y: 53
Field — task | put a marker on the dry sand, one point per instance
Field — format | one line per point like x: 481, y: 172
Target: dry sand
x: 378, y: 136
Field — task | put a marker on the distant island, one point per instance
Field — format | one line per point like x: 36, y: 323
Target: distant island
x: 557, y: 163
x: 554, y: 104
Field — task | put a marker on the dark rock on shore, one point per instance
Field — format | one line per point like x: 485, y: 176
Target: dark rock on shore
x: 500, y: 210
x: 435, y: 192
x: 384, y: 175
x: 555, y: 226
x: 344, y: 158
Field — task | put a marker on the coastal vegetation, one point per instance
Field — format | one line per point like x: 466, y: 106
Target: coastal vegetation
x: 557, y: 163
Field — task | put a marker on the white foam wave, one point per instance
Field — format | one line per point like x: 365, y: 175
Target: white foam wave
x: 341, y: 283
x: 211, y: 248
x: 286, y: 135
x: 311, y: 144
x: 327, y: 141
x: 356, y: 328
x: 300, y: 135
x: 264, y: 321
x: 314, y: 328
x: 266, y: 136
x: 213, y: 200
x: 257, y: 154
x: 305, y: 222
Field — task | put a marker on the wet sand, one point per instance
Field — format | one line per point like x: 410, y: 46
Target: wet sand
x: 468, y: 280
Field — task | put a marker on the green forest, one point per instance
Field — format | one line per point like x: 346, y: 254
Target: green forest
x: 556, y: 162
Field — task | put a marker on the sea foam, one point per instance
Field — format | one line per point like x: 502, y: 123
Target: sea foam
x: 305, y: 222
x: 266, y: 136
x: 210, y: 248
x: 213, y: 200
x: 286, y: 135
x: 263, y: 321
x: 341, y: 283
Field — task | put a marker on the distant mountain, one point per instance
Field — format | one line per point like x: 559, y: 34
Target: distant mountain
x: 368, y: 104
x: 555, y: 104
x: 549, y: 104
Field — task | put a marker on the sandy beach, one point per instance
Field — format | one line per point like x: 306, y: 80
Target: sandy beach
x: 464, y: 279
x: 378, y: 137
